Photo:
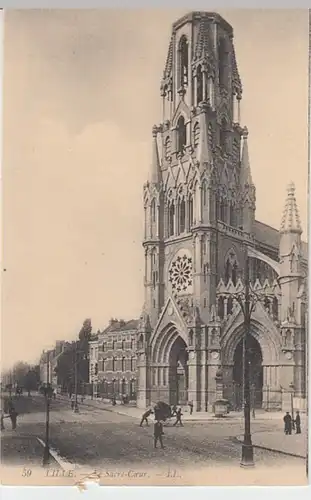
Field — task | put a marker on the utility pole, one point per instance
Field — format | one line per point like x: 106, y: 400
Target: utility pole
x: 46, y: 455
x: 247, y: 446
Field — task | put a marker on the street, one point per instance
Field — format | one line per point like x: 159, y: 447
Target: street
x: 99, y: 438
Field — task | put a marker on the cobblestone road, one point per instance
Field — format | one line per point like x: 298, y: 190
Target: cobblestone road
x: 100, y: 438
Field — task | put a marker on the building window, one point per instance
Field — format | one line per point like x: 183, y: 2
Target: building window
x: 167, y: 148
x: 182, y: 216
x: 204, y: 301
x: 236, y: 151
x: 199, y: 85
x: 181, y: 134
x: 123, y: 364
x: 196, y: 135
x: 223, y: 63
x: 210, y: 136
x: 104, y: 346
x: 223, y: 136
x: 232, y: 215
x: 221, y: 308
x: 183, y: 61
x: 275, y: 309
x: 153, y: 211
x: 133, y: 364
x: 204, y: 190
x: 113, y: 364
x: 171, y: 216
x: 190, y: 211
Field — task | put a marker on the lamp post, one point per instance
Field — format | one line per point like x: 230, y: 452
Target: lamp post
x: 247, y: 446
x: 244, y: 300
x: 76, y: 409
x: 292, y: 388
x: 46, y: 453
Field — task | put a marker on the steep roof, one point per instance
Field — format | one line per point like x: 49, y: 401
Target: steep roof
x: 121, y: 326
x: 270, y: 236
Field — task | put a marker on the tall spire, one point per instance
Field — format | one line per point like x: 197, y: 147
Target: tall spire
x: 246, y: 176
x: 291, y: 220
x: 204, y: 154
x: 155, y: 165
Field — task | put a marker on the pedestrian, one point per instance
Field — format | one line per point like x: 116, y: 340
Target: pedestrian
x: 72, y: 401
x: 145, y: 416
x: 190, y: 404
x: 298, y: 423
x: 178, y: 418
x: 158, y: 433
x: 2, y: 420
x: 13, y: 417
x: 287, y: 424
x: 174, y: 411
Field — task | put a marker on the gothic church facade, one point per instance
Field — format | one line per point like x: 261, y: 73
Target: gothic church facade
x: 201, y: 232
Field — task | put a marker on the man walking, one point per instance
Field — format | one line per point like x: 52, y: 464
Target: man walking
x: 145, y: 416
x: 287, y: 424
x: 190, y: 404
x: 298, y: 423
x: 13, y: 417
x: 158, y: 433
x: 178, y: 418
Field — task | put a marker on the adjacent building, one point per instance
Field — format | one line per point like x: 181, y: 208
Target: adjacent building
x: 202, y: 242
x: 113, y: 360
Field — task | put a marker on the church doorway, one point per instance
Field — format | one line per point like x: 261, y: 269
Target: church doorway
x: 178, y: 373
x: 256, y: 374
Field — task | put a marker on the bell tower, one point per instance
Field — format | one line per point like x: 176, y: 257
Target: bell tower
x: 199, y: 194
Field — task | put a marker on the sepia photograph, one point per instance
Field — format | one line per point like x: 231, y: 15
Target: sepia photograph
x: 155, y: 247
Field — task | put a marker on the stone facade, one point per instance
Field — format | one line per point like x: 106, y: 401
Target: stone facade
x: 201, y: 233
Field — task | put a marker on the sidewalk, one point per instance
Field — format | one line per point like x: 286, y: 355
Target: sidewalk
x: 295, y: 444
x: 134, y: 412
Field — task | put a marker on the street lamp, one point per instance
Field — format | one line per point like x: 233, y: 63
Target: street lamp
x: 244, y: 300
x: 46, y: 453
x: 292, y: 388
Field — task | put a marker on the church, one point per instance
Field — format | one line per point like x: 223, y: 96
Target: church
x: 202, y: 240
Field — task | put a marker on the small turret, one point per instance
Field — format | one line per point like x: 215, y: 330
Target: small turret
x: 247, y: 187
x: 290, y: 253
x: 155, y: 177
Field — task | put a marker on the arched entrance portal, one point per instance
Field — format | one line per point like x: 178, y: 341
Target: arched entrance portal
x: 256, y: 373
x: 178, y: 373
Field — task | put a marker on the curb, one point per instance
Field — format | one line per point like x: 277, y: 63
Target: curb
x: 260, y: 447
x: 62, y: 462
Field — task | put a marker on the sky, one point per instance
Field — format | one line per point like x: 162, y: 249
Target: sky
x: 81, y: 94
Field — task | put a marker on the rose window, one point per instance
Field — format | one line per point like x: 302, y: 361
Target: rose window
x: 180, y: 273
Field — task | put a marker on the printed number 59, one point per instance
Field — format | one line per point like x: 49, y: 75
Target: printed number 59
x: 26, y: 472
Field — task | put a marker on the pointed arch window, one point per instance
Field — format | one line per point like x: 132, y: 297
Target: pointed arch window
x: 153, y: 210
x: 232, y: 215
x: 171, y: 219
x: 204, y: 192
x: 275, y: 308
x: 196, y: 135
x: 223, y: 210
x: 167, y: 148
x: 113, y: 364
x: 221, y: 307
x: 182, y: 134
x: 222, y: 63
x: 190, y: 210
x: 223, y: 135
x: 183, y: 61
x: 231, y: 268
x: 199, y: 85
x: 236, y: 151
x: 182, y: 216
x: 210, y: 136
